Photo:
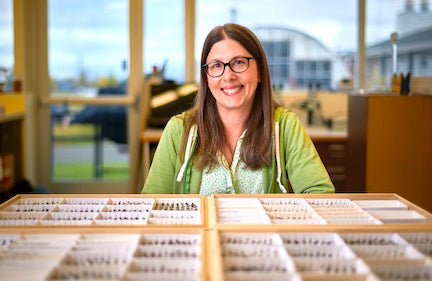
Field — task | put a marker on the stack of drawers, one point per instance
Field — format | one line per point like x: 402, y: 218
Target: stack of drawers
x: 222, y: 237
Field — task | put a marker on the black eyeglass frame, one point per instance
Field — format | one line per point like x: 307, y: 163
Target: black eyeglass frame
x: 225, y: 64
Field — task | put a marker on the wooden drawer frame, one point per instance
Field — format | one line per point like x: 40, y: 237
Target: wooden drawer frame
x: 210, y: 231
x: 104, y: 196
x: 212, y: 212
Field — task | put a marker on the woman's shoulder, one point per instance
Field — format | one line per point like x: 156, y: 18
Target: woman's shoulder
x: 179, y: 119
x: 177, y: 123
x: 284, y: 114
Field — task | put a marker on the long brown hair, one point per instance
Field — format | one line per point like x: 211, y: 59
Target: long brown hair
x: 256, y: 147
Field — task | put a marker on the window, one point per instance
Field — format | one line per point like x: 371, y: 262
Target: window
x: 164, y: 43
x: 326, y: 66
x: 6, y: 45
x: 291, y: 32
x: 283, y: 49
x: 412, y: 20
x: 313, y: 66
x: 88, y: 45
x: 88, y: 58
x: 300, y: 67
x: 424, y: 62
x: 269, y: 48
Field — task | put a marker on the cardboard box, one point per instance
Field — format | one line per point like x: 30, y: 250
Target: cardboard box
x: 421, y: 85
x: 7, y: 175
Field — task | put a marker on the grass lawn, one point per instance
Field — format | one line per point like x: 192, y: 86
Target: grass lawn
x: 78, y: 135
x: 74, y: 134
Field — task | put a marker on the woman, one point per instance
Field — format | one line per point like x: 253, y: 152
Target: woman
x: 236, y: 139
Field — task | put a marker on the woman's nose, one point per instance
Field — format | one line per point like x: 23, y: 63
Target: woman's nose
x: 228, y: 73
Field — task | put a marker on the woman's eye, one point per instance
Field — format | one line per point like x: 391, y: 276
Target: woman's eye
x: 215, y: 65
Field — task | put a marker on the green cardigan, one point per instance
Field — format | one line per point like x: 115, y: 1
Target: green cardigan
x: 300, y: 161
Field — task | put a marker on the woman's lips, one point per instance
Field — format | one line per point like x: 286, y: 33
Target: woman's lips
x: 231, y: 91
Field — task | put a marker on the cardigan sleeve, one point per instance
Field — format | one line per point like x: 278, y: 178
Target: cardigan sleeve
x: 303, y: 165
x: 162, y: 174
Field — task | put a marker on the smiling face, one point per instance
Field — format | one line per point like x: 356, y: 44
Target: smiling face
x: 232, y: 91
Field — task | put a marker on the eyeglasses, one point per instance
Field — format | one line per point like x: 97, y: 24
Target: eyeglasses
x: 237, y: 65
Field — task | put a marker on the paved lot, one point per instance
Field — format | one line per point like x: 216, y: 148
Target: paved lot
x: 112, y: 152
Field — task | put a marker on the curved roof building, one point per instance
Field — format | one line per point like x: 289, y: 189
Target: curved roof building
x: 298, y: 60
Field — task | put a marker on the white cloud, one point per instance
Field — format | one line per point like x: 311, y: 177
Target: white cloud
x: 97, y: 30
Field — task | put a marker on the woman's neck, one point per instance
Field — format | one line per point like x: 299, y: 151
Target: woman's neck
x: 234, y: 118
x: 234, y: 124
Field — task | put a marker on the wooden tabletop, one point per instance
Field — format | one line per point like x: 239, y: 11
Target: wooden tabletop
x: 317, y: 134
x: 151, y: 135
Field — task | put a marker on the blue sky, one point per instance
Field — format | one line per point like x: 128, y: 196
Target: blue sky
x: 96, y: 41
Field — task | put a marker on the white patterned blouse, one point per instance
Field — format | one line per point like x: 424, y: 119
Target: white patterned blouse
x: 236, y: 179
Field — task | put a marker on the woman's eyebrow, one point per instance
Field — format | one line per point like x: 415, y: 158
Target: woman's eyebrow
x: 219, y: 60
